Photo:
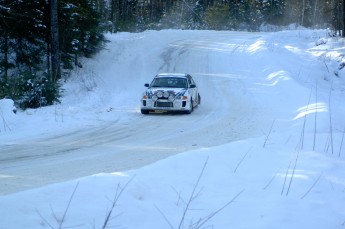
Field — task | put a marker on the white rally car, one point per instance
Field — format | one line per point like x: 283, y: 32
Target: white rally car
x: 170, y: 92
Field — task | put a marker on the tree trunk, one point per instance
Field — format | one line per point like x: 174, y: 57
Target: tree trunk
x: 6, y: 56
x: 343, y: 18
x: 55, y: 50
x: 302, y: 17
x: 314, y: 15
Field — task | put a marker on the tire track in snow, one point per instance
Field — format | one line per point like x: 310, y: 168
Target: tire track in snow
x: 225, y: 115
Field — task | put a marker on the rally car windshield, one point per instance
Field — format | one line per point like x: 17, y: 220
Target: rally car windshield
x: 169, y: 82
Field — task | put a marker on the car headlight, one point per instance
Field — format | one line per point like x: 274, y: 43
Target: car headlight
x: 171, y: 98
x: 159, y: 94
x: 154, y: 98
x: 166, y: 94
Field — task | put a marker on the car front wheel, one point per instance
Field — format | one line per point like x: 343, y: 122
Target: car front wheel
x: 190, y: 108
x: 144, y: 111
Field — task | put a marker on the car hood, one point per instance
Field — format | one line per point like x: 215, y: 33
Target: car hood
x: 175, y: 91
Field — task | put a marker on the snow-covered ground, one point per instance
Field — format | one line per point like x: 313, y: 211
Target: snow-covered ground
x: 263, y: 150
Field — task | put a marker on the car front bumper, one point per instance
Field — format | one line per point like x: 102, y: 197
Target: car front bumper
x: 165, y: 105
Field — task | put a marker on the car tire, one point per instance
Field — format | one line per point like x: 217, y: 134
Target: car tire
x: 145, y: 111
x: 199, y: 99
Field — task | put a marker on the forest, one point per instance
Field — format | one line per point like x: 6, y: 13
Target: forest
x: 42, y: 41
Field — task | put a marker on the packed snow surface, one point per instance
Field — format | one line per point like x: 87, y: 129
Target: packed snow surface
x: 265, y: 149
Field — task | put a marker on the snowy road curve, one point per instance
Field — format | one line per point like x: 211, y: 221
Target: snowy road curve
x: 229, y: 112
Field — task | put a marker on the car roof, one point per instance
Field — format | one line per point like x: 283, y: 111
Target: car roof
x: 180, y: 75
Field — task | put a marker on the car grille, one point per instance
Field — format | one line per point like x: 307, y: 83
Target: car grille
x: 163, y: 104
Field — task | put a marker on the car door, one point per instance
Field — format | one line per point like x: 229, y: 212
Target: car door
x: 193, y: 91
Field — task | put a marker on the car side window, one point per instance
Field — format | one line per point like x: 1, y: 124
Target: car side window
x: 191, y: 80
x: 188, y: 80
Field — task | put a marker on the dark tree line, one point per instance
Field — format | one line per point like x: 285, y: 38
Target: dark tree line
x: 42, y: 39
x: 34, y: 36
x: 137, y: 15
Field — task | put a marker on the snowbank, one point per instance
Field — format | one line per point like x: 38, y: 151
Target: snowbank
x: 7, y: 114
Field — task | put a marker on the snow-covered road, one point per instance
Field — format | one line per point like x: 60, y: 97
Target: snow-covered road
x: 122, y: 144
x: 269, y: 132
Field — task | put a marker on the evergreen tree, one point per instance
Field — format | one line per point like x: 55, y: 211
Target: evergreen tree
x: 272, y: 11
x: 6, y: 46
x: 217, y: 17
x: 80, y: 34
x: 26, y: 45
x: 21, y: 33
